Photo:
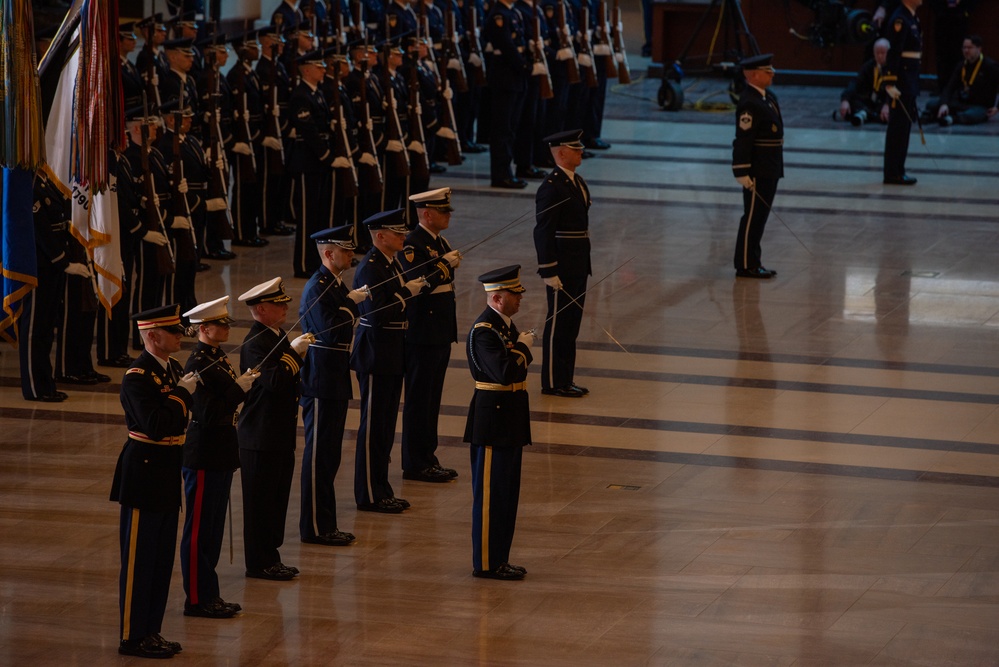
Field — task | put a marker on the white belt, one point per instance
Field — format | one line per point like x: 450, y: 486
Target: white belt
x: 340, y: 347
x: 915, y: 55
x: 446, y: 287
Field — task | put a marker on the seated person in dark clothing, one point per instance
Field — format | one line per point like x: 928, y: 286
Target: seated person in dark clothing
x: 970, y: 95
x: 865, y: 99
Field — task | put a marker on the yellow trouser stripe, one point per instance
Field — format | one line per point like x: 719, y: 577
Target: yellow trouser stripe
x: 487, y: 472
x: 133, y: 538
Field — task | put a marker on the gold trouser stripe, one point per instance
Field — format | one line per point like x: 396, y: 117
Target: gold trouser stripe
x: 487, y: 470
x: 133, y: 538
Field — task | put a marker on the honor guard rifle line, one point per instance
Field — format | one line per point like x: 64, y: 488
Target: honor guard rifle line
x: 469, y: 248
x: 575, y: 302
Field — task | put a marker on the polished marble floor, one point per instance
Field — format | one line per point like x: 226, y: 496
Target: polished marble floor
x: 801, y: 471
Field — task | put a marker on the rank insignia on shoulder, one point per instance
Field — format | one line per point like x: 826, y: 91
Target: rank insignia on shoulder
x: 140, y: 371
x: 898, y: 25
x: 408, y: 254
x: 745, y: 121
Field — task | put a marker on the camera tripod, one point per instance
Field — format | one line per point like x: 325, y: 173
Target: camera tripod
x: 735, y: 34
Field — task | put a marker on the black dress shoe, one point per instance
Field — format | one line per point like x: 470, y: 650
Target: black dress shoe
x: 202, y: 267
x: 98, y: 377
x: 335, y: 539
x: 581, y: 390
x: 564, y: 392
x: 437, y: 168
x: 173, y: 646
x: 78, y: 379
x: 429, y: 474
x: 770, y: 271
x: 255, y: 242
x: 451, y: 472
x: 510, y: 184
x: 147, y: 647
x: 904, y: 179
x: 279, y: 230
x: 213, y: 609
x: 232, y: 605
x: 383, y: 506
x: 124, y: 361
x: 758, y: 272
x: 54, y: 397
x: 597, y: 144
x: 221, y: 255
x: 517, y: 567
x: 504, y: 572
x: 401, y: 502
x: 532, y: 173
x: 275, y: 572
x: 474, y: 148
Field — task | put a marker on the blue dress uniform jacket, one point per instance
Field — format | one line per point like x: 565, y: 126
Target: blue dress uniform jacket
x: 171, y: 85
x: 327, y: 373
x: 503, y: 37
x: 311, y: 119
x: 132, y: 84
x: 379, y: 343
x: 561, y: 235
x: 757, y: 150
x: 211, y: 437
x: 269, y: 417
x: 147, y: 476
x: 401, y: 20
x: 290, y: 14
x: 432, y: 314
x: 497, y: 418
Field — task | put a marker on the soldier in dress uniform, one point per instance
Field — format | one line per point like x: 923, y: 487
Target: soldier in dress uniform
x: 247, y: 148
x: 180, y: 56
x: 329, y: 308
x: 78, y: 318
x: 41, y: 305
x: 185, y: 26
x: 532, y: 115
x: 757, y: 162
x: 558, y: 108
x: 131, y: 78
x: 267, y: 428
x: 562, y: 242
x: 276, y: 186
x: 499, y: 423
x: 378, y: 358
x: 363, y: 58
x: 394, y: 93
x: 290, y: 14
x: 343, y: 136
x: 150, y: 58
x: 504, y: 40
x: 156, y: 396
x: 211, y: 455
x: 432, y: 328
x: 310, y: 161
x: 902, y: 85
x: 400, y: 20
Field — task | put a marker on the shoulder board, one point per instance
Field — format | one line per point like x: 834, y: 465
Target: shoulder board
x: 483, y: 324
x: 140, y: 371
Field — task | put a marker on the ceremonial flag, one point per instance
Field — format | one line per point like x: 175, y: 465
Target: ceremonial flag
x: 20, y: 271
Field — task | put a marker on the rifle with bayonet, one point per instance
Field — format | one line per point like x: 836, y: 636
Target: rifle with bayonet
x: 150, y: 75
x: 153, y: 220
x: 217, y: 201
x: 187, y: 245
x: 369, y: 169
x: 587, y: 64
x: 450, y: 55
x: 617, y: 38
x: 476, y: 62
x: 344, y: 171
x: 395, y: 147
x: 601, y: 43
x: 540, y: 67
x: 566, y: 53
x: 272, y: 118
x: 417, y: 147
x: 247, y: 163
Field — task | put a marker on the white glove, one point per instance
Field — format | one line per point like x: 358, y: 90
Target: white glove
x: 566, y: 31
x: 276, y: 111
x: 156, y: 238
x: 220, y: 163
x: 78, y: 269
x: 539, y: 69
x: 180, y: 222
x: 216, y: 204
x: 893, y: 92
x: 454, y: 63
x: 453, y: 258
x: 156, y: 80
x: 182, y: 186
x: 474, y: 60
x: 564, y: 54
x: 302, y: 343
x: 446, y: 132
x: 526, y: 338
x: 242, y: 148
x: 447, y: 93
x: 245, y: 381
x: 619, y: 56
x: 745, y: 181
x: 341, y: 163
x: 415, y: 285
x: 208, y: 155
x: 530, y: 44
x: 602, y: 50
x: 272, y: 143
x: 368, y: 159
x: 369, y: 125
x: 156, y: 200
x: 394, y: 146
x: 416, y: 147
x: 554, y: 282
x: 189, y: 382
x: 585, y: 60
x: 358, y: 295
x: 395, y: 105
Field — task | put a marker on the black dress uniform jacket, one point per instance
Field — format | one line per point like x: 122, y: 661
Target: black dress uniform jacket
x: 211, y: 438
x: 148, y: 475
x: 504, y: 41
x: 561, y: 236
x: 757, y: 150
x: 497, y: 418
x: 311, y: 119
x: 270, y: 412
x: 431, y: 314
x: 327, y: 375
x: 379, y: 345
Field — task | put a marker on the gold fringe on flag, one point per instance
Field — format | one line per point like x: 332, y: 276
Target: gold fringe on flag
x: 22, y: 133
